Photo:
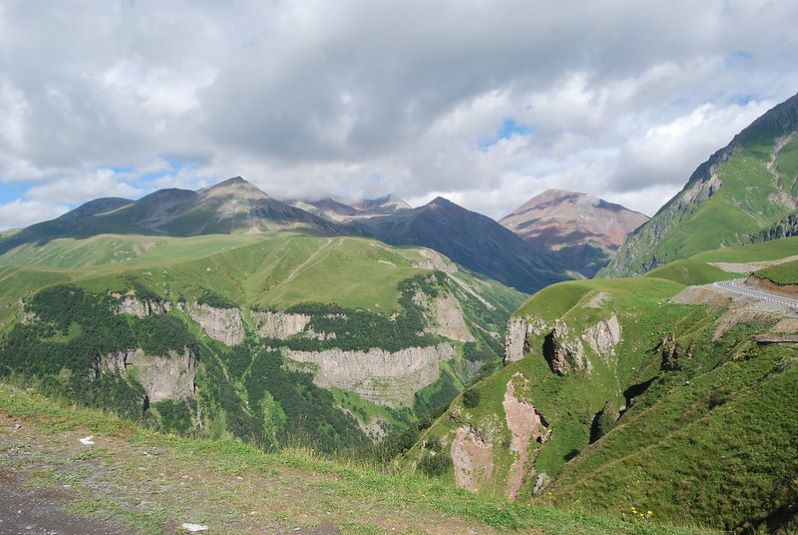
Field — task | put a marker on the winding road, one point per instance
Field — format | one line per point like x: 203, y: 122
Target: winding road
x: 738, y: 287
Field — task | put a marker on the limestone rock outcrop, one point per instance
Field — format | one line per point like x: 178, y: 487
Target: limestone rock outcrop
x: 163, y: 377
x: 525, y: 424
x: 223, y: 324
x: 604, y: 337
x: 380, y: 376
x: 564, y: 352
x: 515, y: 342
x: 449, y: 320
x: 472, y: 457
x: 141, y: 308
x: 279, y: 325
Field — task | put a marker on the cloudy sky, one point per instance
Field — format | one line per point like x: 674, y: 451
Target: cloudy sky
x: 485, y: 102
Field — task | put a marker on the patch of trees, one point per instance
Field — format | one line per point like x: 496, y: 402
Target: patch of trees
x: 177, y: 416
x: 213, y: 299
x: 312, y: 418
x: 69, y: 364
x: 435, y: 460
x: 361, y: 330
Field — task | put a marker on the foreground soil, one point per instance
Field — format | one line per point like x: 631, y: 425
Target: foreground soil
x: 134, y: 480
x: 146, y: 488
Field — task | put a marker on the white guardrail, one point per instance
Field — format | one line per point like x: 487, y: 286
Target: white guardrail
x: 736, y: 286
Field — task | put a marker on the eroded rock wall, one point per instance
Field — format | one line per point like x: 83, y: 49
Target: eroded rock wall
x: 141, y: 308
x: 223, y: 324
x: 163, y: 377
x: 279, y: 325
x: 380, y: 376
x: 449, y: 320
x: 518, y: 328
x: 526, y: 425
x: 604, y: 337
x: 472, y: 457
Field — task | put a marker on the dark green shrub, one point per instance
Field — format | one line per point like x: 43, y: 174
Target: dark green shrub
x: 471, y: 398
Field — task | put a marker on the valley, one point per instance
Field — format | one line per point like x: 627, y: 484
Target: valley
x: 252, y: 363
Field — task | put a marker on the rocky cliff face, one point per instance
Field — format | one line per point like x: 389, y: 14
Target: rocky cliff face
x: 604, y: 337
x: 472, y: 456
x: 163, y: 377
x: 445, y: 316
x: 223, y: 324
x: 279, y: 325
x: 564, y: 350
x: 527, y: 428
x: 380, y: 376
x: 518, y: 328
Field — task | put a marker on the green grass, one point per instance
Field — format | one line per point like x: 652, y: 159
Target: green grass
x: 787, y: 163
x: 360, y: 277
x: 294, y: 488
x: 690, y: 272
x: 781, y: 274
x: 565, y: 402
x: 758, y: 252
x: 722, y: 442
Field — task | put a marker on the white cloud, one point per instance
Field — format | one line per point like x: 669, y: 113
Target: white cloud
x: 71, y: 190
x: 365, y: 98
x: 21, y: 213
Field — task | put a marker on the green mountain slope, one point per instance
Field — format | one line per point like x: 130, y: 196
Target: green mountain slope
x: 271, y: 338
x: 742, y: 189
x: 636, y: 393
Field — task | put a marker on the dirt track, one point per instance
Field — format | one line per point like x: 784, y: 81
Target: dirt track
x: 35, y: 513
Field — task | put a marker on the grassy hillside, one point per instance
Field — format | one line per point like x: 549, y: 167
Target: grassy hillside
x: 781, y: 274
x: 59, y: 328
x: 160, y: 481
x: 695, y: 424
x: 741, y: 190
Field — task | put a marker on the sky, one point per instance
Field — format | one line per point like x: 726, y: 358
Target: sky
x: 487, y: 103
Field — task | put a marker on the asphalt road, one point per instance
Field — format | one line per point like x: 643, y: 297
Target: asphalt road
x: 737, y: 286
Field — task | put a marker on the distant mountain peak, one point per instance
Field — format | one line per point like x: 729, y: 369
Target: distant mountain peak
x: 234, y: 187
x: 385, y: 204
x: 582, y: 228
x: 471, y: 239
x: 440, y: 202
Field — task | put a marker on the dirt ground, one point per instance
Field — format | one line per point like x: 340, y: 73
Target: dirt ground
x: 52, y: 484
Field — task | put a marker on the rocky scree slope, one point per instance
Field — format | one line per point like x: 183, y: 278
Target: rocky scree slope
x: 582, y: 230
x: 742, y: 189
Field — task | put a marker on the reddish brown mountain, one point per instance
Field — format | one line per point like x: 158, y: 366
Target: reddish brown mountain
x: 583, y: 230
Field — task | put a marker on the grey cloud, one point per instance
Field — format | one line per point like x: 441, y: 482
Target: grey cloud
x: 313, y: 97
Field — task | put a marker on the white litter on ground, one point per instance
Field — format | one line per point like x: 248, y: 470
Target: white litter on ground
x: 87, y: 441
x: 193, y: 528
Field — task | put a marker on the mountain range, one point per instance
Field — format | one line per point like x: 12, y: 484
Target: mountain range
x: 404, y: 337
